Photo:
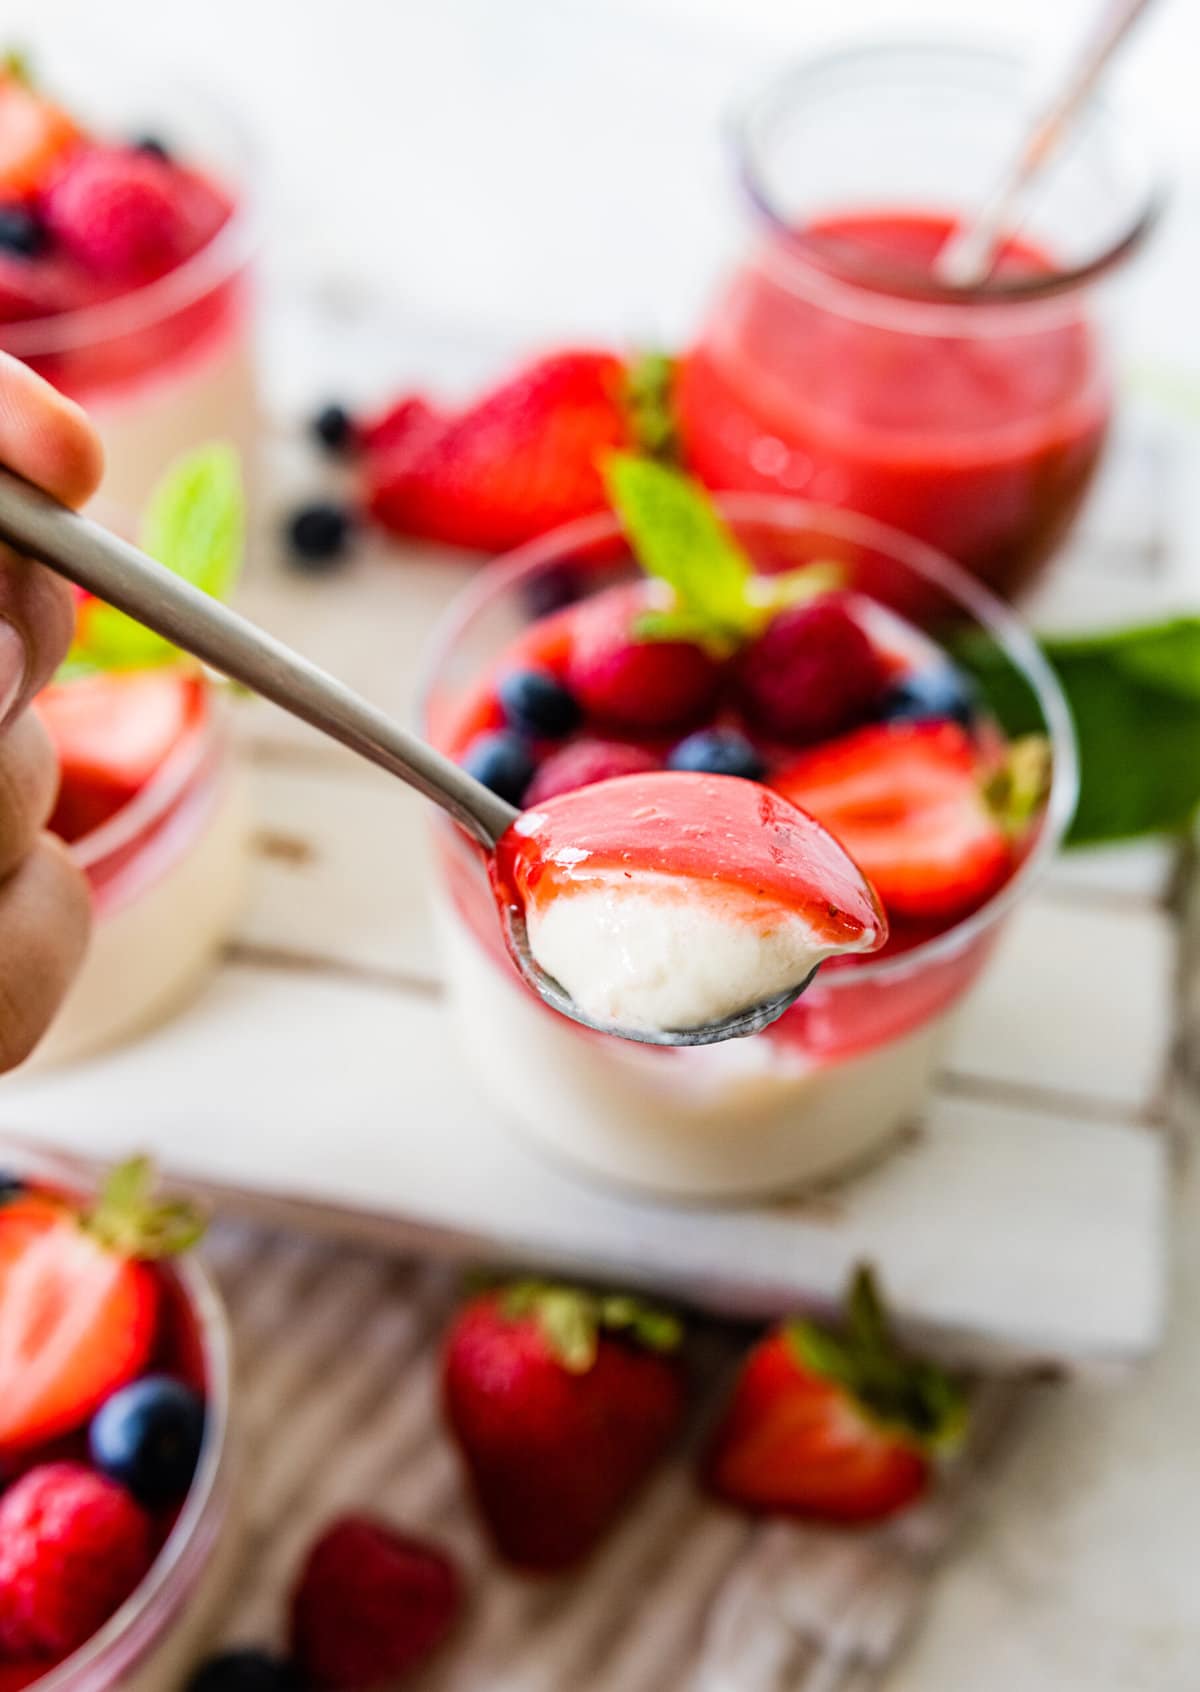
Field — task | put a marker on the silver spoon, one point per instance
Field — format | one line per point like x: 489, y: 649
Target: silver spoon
x: 969, y: 256
x: 111, y: 569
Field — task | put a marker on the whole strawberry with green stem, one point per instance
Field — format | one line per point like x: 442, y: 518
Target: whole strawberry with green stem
x: 834, y: 1425
x: 561, y: 1401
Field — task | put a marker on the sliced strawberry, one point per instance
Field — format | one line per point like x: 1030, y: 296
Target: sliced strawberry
x: 907, y: 802
x: 112, y: 732
x: 520, y: 461
x: 35, y: 135
x: 651, y: 686
x: 833, y: 1426
x: 78, y: 1303
x: 407, y: 424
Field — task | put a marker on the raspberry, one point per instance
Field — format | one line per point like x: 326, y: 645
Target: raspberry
x: 370, y: 1605
x: 120, y: 213
x: 73, y: 1546
x: 585, y: 762
x: 811, y: 674
x: 654, y: 685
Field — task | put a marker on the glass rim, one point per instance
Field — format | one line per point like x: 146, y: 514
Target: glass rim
x: 221, y: 257
x: 511, y: 570
x: 136, y: 1626
x: 882, y: 281
x: 155, y: 798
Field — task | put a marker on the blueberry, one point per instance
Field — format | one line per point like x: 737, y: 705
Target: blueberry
x: 941, y: 691
x: 333, y: 428
x: 148, y: 1437
x: 21, y: 231
x: 153, y: 145
x: 553, y: 589
x: 318, y: 535
x: 246, y: 1670
x: 503, y: 762
x: 11, y: 1186
x: 536, y: 704
x: 718, y: 752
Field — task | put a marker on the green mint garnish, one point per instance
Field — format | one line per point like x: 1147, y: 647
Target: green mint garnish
x: 194, y: 524
x: 678, y: 536
x: 1134, y: 695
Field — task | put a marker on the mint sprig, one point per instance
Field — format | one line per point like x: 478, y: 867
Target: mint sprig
x: 195, y: 525
x: 1134, y: 694
x: 717, y: 599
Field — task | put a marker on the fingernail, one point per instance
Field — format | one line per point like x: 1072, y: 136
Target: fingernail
x: 14, y: 661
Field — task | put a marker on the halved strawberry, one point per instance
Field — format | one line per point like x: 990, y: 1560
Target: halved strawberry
x: 520, y: 460
x: 833, y: 1426
x: 112, y: 732
x: 907, y: 801
x: 35, y: 135
x: 78, y: 1301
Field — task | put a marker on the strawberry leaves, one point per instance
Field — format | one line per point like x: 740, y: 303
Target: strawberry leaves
x: 129, y: 1221
x: 572, y: 1320
x: 904, y: 1394
x: 716, y: 598
x: 194, y: 524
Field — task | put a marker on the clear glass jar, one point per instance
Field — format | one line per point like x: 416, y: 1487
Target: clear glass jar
x: 168, y: 876
x: 850, y: 1064
x: 169, y: 365
x: 833, y: 366
x: 157, y: 1635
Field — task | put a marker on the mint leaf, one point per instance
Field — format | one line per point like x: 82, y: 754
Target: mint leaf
x: 1134, y: 695
x: 677, y: 535
x: 194, y: 524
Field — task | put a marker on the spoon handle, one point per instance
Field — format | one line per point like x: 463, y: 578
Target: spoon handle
x: 967, y: 259
x: 110, y: 568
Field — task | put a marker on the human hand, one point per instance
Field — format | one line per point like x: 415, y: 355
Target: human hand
x: 44, y: 906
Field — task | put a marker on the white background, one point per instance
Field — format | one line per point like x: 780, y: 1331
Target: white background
x: 544, y: 165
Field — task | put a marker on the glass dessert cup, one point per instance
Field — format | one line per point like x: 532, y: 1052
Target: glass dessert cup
x: 167, y: 875
x: 169, y: 364
x: 850, y: 1064
x: 160, y: 1632
x: 834, y: 367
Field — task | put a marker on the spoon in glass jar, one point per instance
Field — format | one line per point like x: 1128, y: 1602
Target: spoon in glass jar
x: 113, y: 570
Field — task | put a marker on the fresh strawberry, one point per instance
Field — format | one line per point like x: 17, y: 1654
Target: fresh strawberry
x: 121, y: 212
x: 408, y: 423
x: 522, y: 459
x: 73, y: 1545
x: 907, y: 801
x: 371, y: 1604
x: 839, y: 1427
x: 561, y: 1403
x: 15, y: 1677
x: 812, y: 673
x: 78, y: 1301
x: 112, y: 732
x: 654, y: 686
x: 35, y: 135
x: 585, y: 762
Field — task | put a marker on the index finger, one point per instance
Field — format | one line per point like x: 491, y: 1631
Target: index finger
x: 46, y: 437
